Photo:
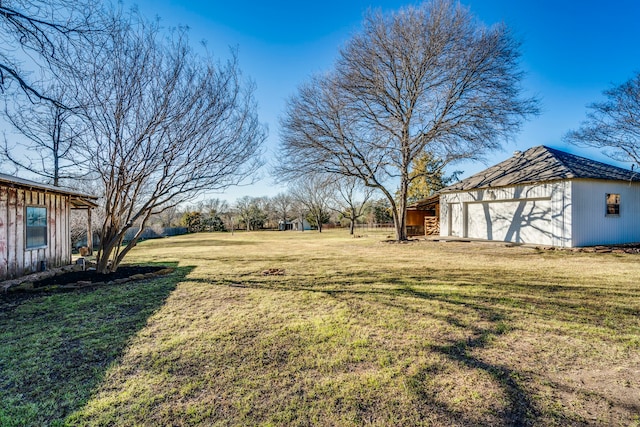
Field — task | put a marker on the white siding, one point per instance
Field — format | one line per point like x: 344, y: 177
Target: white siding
x: 536, y: 214
x: 519, y: 221
x: 591, y: 225
x: 455, y: 219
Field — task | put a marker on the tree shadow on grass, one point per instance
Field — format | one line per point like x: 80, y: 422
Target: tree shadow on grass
x: 520, y: 410
x: 56, y: 346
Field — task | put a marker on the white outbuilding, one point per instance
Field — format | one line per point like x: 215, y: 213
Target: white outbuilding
x: 545, y: 196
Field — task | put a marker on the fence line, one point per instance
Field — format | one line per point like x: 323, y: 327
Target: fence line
x: 385, y: 226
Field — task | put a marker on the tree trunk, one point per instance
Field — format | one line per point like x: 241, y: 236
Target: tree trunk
x: 400, y: 212
x: 352, y: 226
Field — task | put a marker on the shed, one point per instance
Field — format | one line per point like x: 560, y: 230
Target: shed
x: 548, y: 197
x: 35, y: 226
x: 423, y: 216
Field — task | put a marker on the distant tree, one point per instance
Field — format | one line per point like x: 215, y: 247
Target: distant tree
x: 265, y: 205
x: 213, y: 223
x: 250, y: 212
x: 283, y: 204
x: 314, y: 193
x: 613, y: 125
x: 380, y: 211
x: 192, y: 220
x: 426, y: 177
x: 230, y: 219
x: 350, y: 199
x: 212, y: 211
x: 166, y: 125
x: 169, y: 217
x: 212, y: 207
x: 423, y: 79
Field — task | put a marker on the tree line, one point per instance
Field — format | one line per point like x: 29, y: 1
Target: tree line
x: 312, y: 207
x: 109, y: 102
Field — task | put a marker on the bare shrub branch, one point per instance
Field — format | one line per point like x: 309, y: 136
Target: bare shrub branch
x: 613, y: 125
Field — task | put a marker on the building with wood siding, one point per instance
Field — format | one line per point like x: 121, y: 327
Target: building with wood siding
x: 423, y: 217
x: 35, y: 225
x: 547, y: 197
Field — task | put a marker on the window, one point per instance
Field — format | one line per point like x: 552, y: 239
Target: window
x: 613, y: 204
x: 36, y: 227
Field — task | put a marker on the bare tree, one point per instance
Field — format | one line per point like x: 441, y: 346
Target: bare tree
x: 169, y: 217
x: 283, y: 206
x: 314, y: 193
x: 48, y: 135
x: 212, y: 207
x: 350, y: 199
x: 166, y: 125
x: 613, y: 125
x: 38, y: 31
x: 423, y: 79
x: 251, y: 212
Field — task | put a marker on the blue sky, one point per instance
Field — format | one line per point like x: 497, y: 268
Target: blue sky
x: 572, y: 51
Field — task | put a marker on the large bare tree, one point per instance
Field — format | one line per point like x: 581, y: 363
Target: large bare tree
x: 423, y: 79
x: 613, y: 125
x: 165, y: 125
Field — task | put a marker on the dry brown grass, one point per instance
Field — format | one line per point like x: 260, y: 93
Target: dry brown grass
x: 358, y: 332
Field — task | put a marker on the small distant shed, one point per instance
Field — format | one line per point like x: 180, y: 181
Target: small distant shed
x: 300, y: 225
x: 35, y: 225
x: 548, y: 197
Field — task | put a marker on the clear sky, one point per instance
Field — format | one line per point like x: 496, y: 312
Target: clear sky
x: 572, y: 51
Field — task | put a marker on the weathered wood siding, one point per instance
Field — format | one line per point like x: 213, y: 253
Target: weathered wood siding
x: 15, y: 259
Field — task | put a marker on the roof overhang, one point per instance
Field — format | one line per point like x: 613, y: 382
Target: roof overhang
x: 425, y: 204
x: 78, y: 202
x: 81, y: 199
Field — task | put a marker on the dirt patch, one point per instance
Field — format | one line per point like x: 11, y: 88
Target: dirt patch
x: 608, y: 395
x: 273, y: 272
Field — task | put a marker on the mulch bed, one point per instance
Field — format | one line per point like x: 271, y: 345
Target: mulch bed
x: 78, y: 281
x: 90, y: 276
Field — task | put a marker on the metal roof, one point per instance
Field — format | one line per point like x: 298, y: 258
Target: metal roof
x: 542, y: 164
x: 426, y: 203
x: 25, y: 183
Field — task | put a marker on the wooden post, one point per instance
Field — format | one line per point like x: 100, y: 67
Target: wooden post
x: 89, y: 231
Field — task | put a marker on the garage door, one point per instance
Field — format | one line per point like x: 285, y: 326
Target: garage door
x: 522, y: 221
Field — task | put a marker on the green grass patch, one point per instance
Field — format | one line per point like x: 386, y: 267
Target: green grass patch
x: 356, y: 332
x: 56, y: 346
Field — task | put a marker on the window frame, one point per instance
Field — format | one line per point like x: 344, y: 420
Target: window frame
x: 615, y: 206
x: 39, y: 245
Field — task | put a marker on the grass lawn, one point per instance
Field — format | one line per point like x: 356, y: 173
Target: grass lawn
x: 356, y: 332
